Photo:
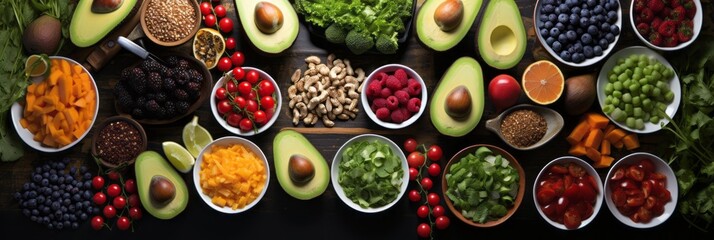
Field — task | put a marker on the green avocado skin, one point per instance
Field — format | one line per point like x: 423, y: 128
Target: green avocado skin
x: 149, y: 164
x: 466, y: 72
x: 501, y: 22
x: 288, y: 143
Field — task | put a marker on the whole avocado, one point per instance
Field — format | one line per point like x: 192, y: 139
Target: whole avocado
x: 42, y: 35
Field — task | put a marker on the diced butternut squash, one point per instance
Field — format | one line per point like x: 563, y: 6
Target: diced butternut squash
x: 618, y: 144
x: 577, y: 150
x: 578, y: 133
x: 609, y: 128
x: 605, y: 161
x: 593, y: 139
x: 605, y: 147
x: 631, y: 141
x: 615, y: 135
x: 593, y: 154
x: 597, y: 120
x: 233, y: 176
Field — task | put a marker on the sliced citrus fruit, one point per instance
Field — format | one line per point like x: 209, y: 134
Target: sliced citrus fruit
x: 195, y: 137
x: 178, y: 155
x: 208, y: 46
x: 37, y: 65
x: 543, y: 82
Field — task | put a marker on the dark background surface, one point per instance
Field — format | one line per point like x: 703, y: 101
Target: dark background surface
x: 279, y: 215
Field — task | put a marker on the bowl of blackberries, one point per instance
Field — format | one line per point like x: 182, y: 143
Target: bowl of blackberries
x: 152, y: 92
x: 578, y: 33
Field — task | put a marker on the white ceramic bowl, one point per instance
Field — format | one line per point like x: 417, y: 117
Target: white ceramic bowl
x: 696, y: 28
x: 17, y: 110
x: 335, y: 172
x: 387, y: 69
x: 674, y: 85
x: 590, y: 170
x: 660, y: 166
x: 588, y: 61
x: 277, y: 96
x: 229, y: 141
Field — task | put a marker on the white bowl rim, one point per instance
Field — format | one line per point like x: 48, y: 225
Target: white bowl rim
x: 17, y: 113
x: 334, y: 172
x: 697, y: 20
x: 388, y: 68
x: 672, y: 186
x: 229, y: 140
x: 590, y: 169
x: 237, y: 131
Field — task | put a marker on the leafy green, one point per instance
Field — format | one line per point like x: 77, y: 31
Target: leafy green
x: 370, y: 173
x: 372, y: 17
x: 483, y: 185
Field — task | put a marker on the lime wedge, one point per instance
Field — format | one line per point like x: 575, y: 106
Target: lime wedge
x: 178, y: 156
x: 195, y: 137
x: 37, y: 65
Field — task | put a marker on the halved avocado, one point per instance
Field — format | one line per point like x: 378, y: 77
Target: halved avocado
x: 464, y: 72
x: 501, y: 36
x: 87, y: 27
x: 148, y: 165
x: 429, y: 33
x: 286, y: 145
x: 271, y: 43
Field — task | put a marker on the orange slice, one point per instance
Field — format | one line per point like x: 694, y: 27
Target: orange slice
x: 543, y: 82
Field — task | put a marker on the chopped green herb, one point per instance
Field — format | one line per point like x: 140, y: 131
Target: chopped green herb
x: 370, y: 173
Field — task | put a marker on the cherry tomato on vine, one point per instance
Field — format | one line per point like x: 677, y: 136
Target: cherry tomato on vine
x: 220, y: 11
x: 134, y: 200
x: 438, y: 211
x: 205, y: 8
x: 427, y: 183
x: 226, y: 25
x: 113, y: 190
x: 260, y: 117
x: 97, y: 222
x: 423, y: 211
x: 434, y: 153
x: 252, y: 76
x: 135, y: 213
x: 246, y: 124
x: 251, y: 106
x: 230, y: 43
x: 442, y: 222
x: 410, y: 145
x: 233, y: 119
x: 433, y: 199
x: 98, y: 182
x: 267, y: 102
x: 413, y: 172
x: 415, y: 159
x: 99, y: 198
x: 414, y: 195
x: 238, y: 73
x: 434, y: 169
x: 244, y: 88
x: 231, y: 87
x: 123, y: 223
x: 237, y: 58
x: 265, y: 88
x: 109, y: 211
x: 221, y: 93
x: 424, y: 230
x: 130, y: 186
x: 209, y: 20
x: 224, y: 107
x: 240, y: 102
x: 113, y: 175
x: 224, y: 64
x: 119, y: 202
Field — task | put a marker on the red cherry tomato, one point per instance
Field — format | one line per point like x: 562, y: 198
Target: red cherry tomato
x: 504, y: 91
x: 434, y: 153
x: 97, y: 222
x: 205, y: 8
x: 97, y: 182
x: 434, y: 169
x: 134, y: 200
x: 646, y: 165
x: 252, y: 77
x: 209, y: 20
x: 587, y: 193
x: 415, y: 159
x: 231, y: 86
x: 433, y: 199
x: 572, y: 219
x: 618, y: 174
x: 237, y: 58
x: 549, y: 211
x: 246, y: 124
x: 244, y: 88
x: 113, y: 175
x: 423, y: 211
x: 238, y: 73
x: 438, y: 211
x: 240, y: 102
x: 220, y: 11
x: 635, y: 173
x: 260, y: 117
x: 130, y: 186
x: 109, y: 211
x: 561, y: 205
x: 135, y: 213
x: 230, y: 43
x: 226, y: 25
x: 559, y: 169
x: 413, y: 172
x: 414, y: 195
x: 221, y: 93
x: 427, y: 183
x: 233, y: 119
x: 442, y: 222
x: 224, y: 64
x: 410, y: 145
x: 545, y: 195
x: 113, y: 190
x: 266, y: 88
x: 123, y: 223
x: 576, y: 170
x: 224, y: 107
x: 251, y: 106
x: 99, y: 198
x: 267, y: 102
x: 119, y: 202
x: 424, y: 230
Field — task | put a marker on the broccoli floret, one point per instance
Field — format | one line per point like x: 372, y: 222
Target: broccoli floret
x: 386, y: 44
x: 335, y: 34
x: 358, y: 42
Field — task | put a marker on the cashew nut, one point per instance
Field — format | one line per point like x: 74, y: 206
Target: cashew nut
x: 327, y: 121
x: 296, y: 116
x: 350, y: 87
x: 296, y: 76
x: 311, y: 80
x: 336, y: 106
x: 328, y: 105
x: 313, y: 59
x: 330, y: 58
x: 324, y: 70
x: 292, y: 91
x: 350, y: 72
x: 343, y: 116
x: 321, y: 108
x: 352, y: 106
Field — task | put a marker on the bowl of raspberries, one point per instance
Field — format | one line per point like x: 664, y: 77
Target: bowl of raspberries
x: 394, y: 96
x: 666, y: 25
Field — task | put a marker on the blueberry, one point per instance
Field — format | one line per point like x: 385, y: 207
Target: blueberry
x: 575, y: 10
x: 605, y: 27
x: 548, y: 25
x: 45, y: 210
x: 608, y: 6
x: 612, y: 16
x: 603, y: 43
x: 588, y: 51
x: 609, y: 37
x: 598, y: 10
x: 563, y: 39
x: 59, y: 225
x: 578, y: 57
x: 552, y: 17
x: 574, y: 19
x: 46, y: 167
x: 557, y: 10
x: 571, y: 35
x: 66, y: 160
x: 570, y: 3
x: 585, y: 13
x: 60, y: 166
x: 564, y: 8
x: 563, y: 18
x: 586, y: 38
x: 593, y: 30
x: 548, y: 8
x: 560, y: 26
x: 55, y: 206
x: 614, y: 29
x: 544, y: 33
x: 83, y: 169
x: 87, y: 175
x: 542, y: 18
x: 591, y: 3
x: 593, y: 21
x: 584, y: 22
x: 601, y: 18
x: 36, y: 178
x: 549, y: 2
x: 549, y: 41
x: 556, y: 46
x: 83, y: 216
x: 75, y: 225
x: 554, y: 32
x: 614, y: 4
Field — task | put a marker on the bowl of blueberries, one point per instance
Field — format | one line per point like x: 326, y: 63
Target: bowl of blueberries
x: 578, y: 33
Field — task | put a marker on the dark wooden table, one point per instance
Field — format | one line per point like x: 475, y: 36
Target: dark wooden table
x: 279, y: 215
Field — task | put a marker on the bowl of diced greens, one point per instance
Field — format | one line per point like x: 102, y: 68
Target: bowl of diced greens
x: 483, y: 185
x: 370, y: 173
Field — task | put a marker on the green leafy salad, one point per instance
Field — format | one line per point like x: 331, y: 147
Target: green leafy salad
x: 359, y: 24
x: 370, y: 173
x: 483, y: 185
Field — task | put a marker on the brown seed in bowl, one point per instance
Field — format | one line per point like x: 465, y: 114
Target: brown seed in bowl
x: 170, y: 20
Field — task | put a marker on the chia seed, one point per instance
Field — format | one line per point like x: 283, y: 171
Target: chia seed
x: 523, y: 127
x: 119, y: 142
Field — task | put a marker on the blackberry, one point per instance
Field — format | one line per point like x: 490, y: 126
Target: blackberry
x: 150, y: 65
x: 136, y: 73
x: 182, y: 107
x: 170, y: 109
x: 160, y: 113
x: 169, y: 83
x: 137, y: 113
x: 121, y: 89
x: 180, y: 94
x: 150, y: 96
x: 152, y: 106
x: 173, y: 61
x: 162, y: 70
x: 195, y: 75
x: 193, y: 87
x: 181, y: 77
x: 141, y: 101
x: 183, y: 64
x: 125, y: 74
x: 161, y: 97
x: 125, y: 101
x: 154, y: 81
x: 170, y: 72
x: 138, y: 81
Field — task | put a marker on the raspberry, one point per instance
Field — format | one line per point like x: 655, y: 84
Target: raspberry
x: 392, y: 103
x: 383, y: 114
x: 393, y: 83
x: 400, y: 115
x: 374, y: 89
x: 414, y: 105
x: 402, y: 96
x: 414, y: 88
x: 379, y: 102
x: 402, y: 76
x: 386, y: 92
x: 380, y: 76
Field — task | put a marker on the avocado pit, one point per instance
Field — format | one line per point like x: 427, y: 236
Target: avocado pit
x: 106, y: 6
x: 458, y: 102
x: 300, y: 169
x: 161, y: 190
x: 268, y: 17
x: 448, y: 15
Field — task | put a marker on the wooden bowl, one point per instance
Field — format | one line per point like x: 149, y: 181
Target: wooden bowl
x: 150, y: 35
x: 496, y: 150
x: 205, y: 91
x: 106, y: 122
